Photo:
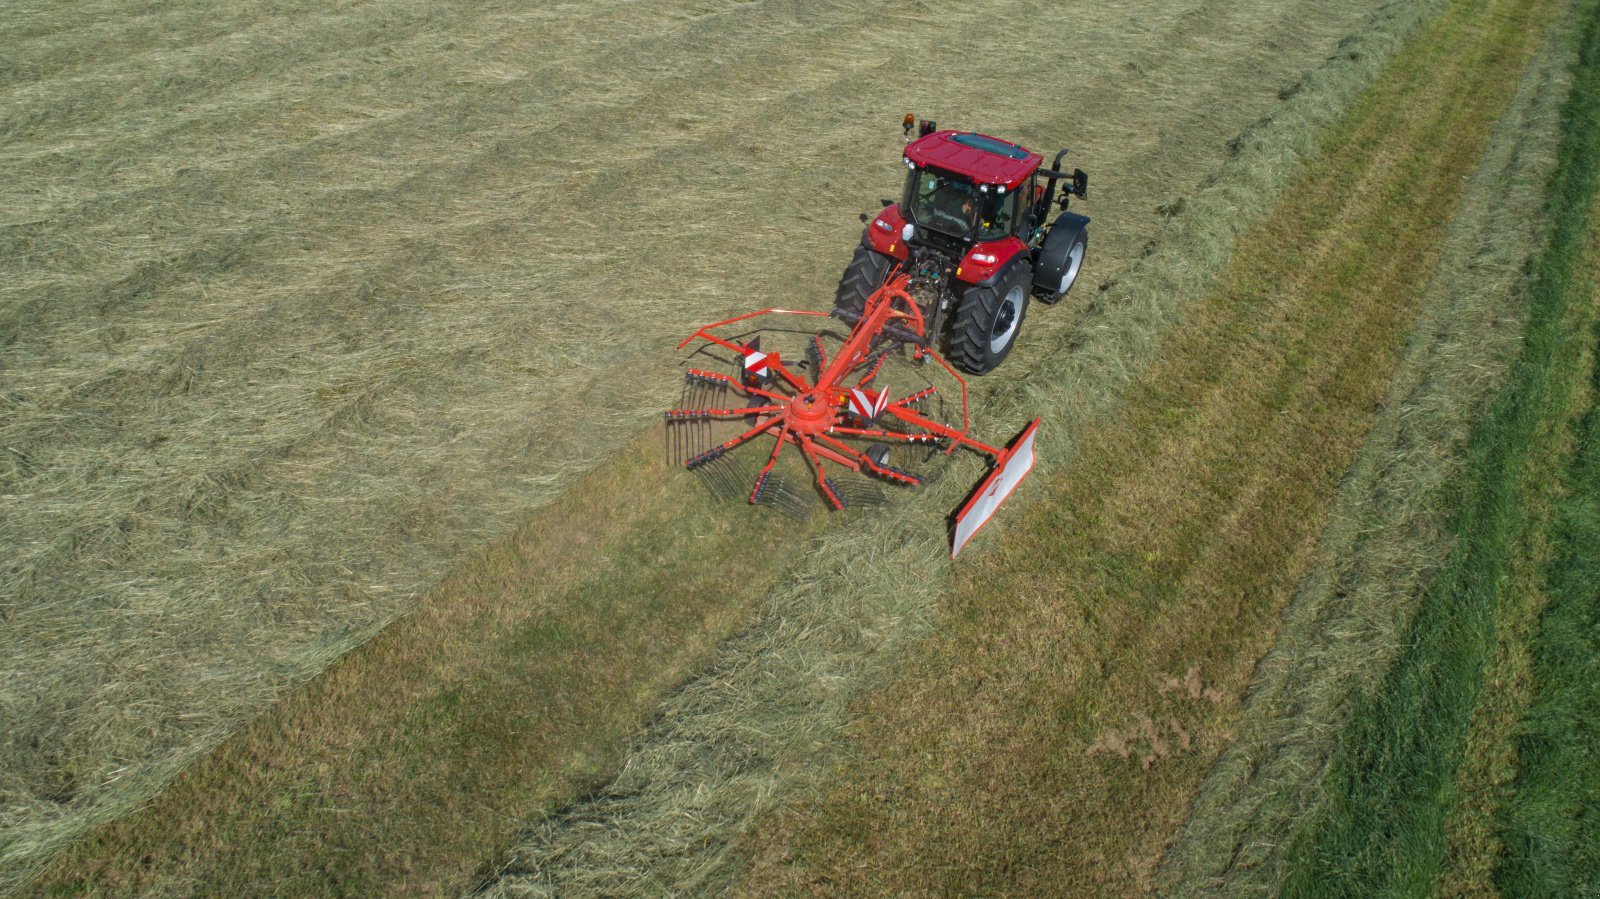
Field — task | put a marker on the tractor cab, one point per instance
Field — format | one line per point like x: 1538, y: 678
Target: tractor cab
x: 956, y: 207
x: 966, y: 185
x: 970, y: 229
x: 969, y: 200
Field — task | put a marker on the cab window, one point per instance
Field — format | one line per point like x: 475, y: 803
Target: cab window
x: 999, y: 214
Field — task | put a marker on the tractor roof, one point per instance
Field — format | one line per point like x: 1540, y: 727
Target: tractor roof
x: 984, y: 159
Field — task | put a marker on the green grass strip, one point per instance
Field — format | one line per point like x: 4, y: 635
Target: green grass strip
x: 1551, y: 827
x: 1551, y: 830
x: 1390, y: 787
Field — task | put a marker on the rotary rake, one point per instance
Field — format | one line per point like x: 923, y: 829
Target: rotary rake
x: 833, y: 408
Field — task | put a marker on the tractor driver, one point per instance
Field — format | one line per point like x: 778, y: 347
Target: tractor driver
x: 970, y: 204
x: 950, y: 199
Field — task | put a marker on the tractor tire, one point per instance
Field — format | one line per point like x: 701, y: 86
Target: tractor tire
x: 988, y: 320
x: 862, y: 278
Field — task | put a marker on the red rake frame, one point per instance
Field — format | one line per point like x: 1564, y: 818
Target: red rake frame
x: 819, y: 415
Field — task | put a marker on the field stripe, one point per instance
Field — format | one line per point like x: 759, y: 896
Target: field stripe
x: 1548, y: 827
x: 90, y: 51
x: 1435, y: 734
x: 1389, y: 529
x: 1049, y: 738
x: 1488, y: 764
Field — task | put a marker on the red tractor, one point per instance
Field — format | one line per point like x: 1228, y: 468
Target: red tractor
x: 967, y: 243
x: 972, y: 232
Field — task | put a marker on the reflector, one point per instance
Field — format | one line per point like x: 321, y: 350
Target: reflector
x: 1010, y: 468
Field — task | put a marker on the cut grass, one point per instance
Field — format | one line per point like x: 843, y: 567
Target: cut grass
x: 1489, y: 756
x: 1395, y: 780
x: 1550, y: 826
x: 513, y: 685
x: 1049, y: 737
x: 305, y: 303
x: 315, y: 325
x: 287, y: 333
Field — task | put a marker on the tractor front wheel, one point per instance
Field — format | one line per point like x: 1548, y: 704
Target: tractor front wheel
x: 862, y: 278
x: 1070, y: 263
x: 988, y: 320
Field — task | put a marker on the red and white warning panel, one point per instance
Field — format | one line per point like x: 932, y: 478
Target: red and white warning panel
x: 865, y: 407
x: 755, y: 362
x: 1010, y: 468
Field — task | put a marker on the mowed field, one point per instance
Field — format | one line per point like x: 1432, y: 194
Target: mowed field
x: 304, y: 306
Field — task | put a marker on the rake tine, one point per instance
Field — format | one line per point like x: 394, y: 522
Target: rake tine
x: 717, y: 478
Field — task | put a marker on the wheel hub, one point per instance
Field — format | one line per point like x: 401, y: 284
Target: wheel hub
x: 1005, y: 320
x: 1002, y: 321
x: 809, y: 413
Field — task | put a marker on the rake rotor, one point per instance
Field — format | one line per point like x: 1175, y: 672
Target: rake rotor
x: 834, y: 411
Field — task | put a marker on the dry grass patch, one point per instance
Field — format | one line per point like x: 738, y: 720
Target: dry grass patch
x: 509, y: 687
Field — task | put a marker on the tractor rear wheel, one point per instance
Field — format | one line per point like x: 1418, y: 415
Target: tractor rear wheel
x: 862, y: 278
x: 988, y: 320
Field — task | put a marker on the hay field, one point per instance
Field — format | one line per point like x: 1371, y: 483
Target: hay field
x: 301, y: 301
x: 1049, y: 734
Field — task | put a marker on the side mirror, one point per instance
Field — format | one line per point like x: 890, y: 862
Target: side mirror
x: 1080, y: 183
x: 928, y: 127
x: 864, y: 218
